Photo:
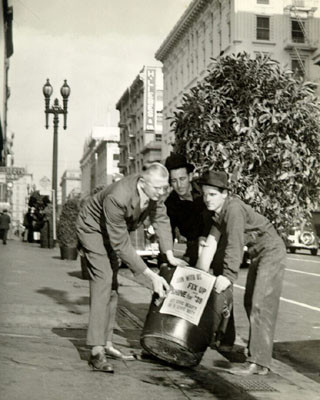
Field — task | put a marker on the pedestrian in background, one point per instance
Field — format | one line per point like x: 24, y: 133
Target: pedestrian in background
x: 105, y: 222
x: 29, y: 222
x: 5, y: 221
x: 236, y: 224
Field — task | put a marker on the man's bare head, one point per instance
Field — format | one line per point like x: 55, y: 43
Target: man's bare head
x: 155, y: 180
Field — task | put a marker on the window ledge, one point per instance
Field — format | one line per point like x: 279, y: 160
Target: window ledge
x: 267, y: 42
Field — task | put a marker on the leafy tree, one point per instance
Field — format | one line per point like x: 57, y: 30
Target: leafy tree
x: 262, y: 126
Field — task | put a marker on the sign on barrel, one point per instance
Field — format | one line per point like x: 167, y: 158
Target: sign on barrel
x: 191, y: 289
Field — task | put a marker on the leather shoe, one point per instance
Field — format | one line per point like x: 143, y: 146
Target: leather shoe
x: 99, y: 362
x: 117, y: 355
x: 248, y: 369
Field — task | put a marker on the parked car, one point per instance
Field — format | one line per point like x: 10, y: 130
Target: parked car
x: 145, y: 241
x: 302, y: 237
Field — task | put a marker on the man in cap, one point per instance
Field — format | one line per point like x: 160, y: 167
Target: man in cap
x: 236, y: 224
x: 185, y: 204
x: 103, y: 227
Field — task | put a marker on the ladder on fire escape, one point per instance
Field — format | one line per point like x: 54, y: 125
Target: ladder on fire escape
x: 303, y: 30
x: 294, y: 10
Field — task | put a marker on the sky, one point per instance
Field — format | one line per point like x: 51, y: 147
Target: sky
x: 99, y: 46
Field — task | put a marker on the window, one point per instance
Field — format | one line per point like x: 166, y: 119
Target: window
x: 263, y: 28
x: 262, y: 1
x: 159, y: 118
x: 298, y: 3
x: 298, y: 67
x: 297, y: 31
x: 3, y: 192
x: 115, y: 156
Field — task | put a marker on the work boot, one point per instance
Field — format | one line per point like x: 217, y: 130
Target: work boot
x: 99, y: 362
x: 248, y: 369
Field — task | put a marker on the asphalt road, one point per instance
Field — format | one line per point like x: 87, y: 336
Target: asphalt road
x: 299, y: 313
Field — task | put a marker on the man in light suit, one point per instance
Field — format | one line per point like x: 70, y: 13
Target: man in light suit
x: 103, y: 226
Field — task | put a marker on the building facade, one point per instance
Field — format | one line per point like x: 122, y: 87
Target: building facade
x: 70, y: 184
x: 140, y: 124
x: 287, y: 30
x: 14, y: 194
x: 99, y: 163
x: 6, y: 51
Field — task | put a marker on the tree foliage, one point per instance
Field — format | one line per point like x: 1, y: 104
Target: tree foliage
x: 262, y: 126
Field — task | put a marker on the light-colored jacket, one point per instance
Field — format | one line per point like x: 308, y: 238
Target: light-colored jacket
x: 108, y: 217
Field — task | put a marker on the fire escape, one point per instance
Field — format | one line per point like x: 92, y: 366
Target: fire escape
x: 300, y: 44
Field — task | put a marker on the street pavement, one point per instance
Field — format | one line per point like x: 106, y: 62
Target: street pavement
x: 44, y: 307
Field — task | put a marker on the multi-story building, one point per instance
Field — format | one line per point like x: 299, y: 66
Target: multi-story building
x: 6, y: 51
x: 140, y: 124
x: 99, y: 163
x: 14, y: 195
x: 70, y: 184
x: 287, y: 30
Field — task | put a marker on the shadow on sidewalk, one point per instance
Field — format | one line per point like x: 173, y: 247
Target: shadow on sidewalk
x: 77, y: 336
x: 303, y: 356
x: 62, y: 297
x: 76, y: 274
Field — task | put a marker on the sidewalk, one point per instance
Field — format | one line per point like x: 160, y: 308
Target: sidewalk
x: 43, y: 319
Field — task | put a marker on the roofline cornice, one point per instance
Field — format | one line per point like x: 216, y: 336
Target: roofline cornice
x: 180, y: 27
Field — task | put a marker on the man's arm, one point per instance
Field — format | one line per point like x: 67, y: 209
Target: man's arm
x: 121, y: 244
x: 116, y: 226
x: 161, y: 223
x: 208, y: 249
x: 234, y: 221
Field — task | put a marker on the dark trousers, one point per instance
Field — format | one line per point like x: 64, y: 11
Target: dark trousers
x: 262, y: 297
x: 229, y: 336
x: 4, y: 235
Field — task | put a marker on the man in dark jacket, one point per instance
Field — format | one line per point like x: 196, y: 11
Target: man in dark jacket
x: 104, y: 223
x: 236, y: 224
x: 4, y: 226
x: 185, y: 205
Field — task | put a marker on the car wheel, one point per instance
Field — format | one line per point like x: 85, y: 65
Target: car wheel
x: 292, y: 250
x: 314, y: 252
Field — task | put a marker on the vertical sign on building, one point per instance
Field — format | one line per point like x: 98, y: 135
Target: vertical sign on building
x: 150, y: 100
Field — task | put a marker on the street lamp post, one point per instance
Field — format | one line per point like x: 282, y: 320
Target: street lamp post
x: 55, y: 110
